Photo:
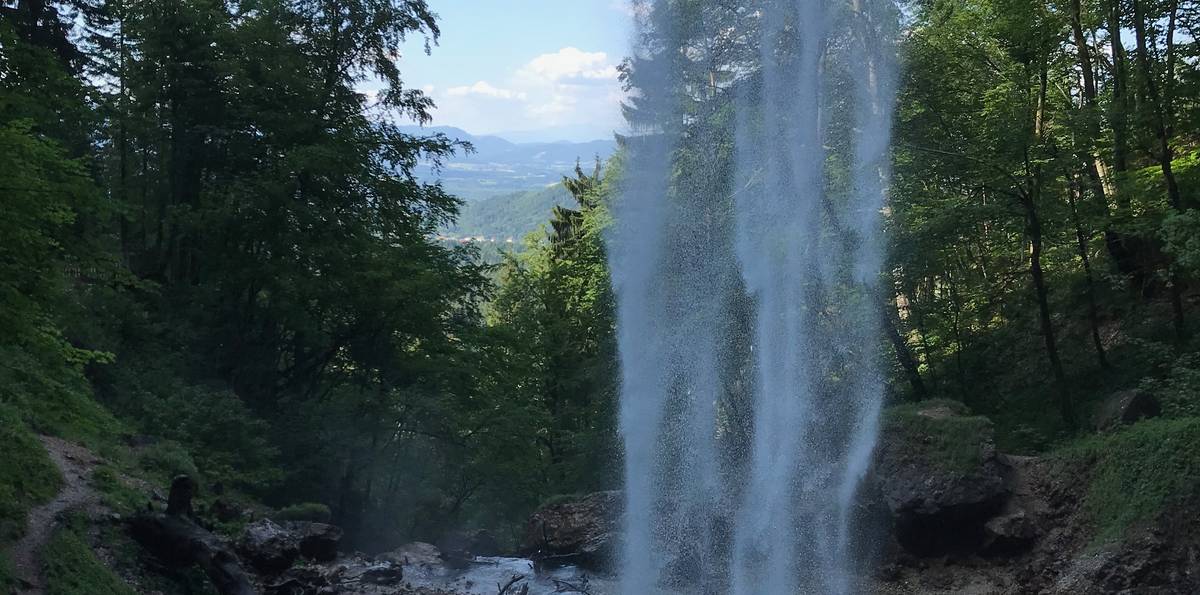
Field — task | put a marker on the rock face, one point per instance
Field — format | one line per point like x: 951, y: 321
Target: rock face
x: 937, y: 472
x: 580, y: 531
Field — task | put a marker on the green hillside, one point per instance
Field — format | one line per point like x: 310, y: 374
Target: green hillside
x: 510, y: 215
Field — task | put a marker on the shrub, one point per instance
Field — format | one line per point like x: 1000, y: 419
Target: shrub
x: 167, y: 459
x: 305, y: 511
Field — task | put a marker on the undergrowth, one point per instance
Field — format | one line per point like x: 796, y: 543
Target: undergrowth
x: 71, y: 568
x: 27, y: 475
x: 1137, y: 472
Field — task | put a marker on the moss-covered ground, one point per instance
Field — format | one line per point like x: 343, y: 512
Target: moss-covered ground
x: 949, y: 441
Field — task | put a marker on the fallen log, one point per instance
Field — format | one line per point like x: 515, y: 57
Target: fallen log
x: 176, y: 539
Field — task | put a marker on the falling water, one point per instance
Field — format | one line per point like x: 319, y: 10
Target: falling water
x: 744, y: 257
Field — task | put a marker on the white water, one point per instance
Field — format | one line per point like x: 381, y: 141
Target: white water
x: 747, y: 307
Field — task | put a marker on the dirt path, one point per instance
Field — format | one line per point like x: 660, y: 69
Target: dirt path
x: 76, y: 464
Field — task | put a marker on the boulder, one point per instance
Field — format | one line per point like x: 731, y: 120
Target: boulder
x: 416, y: 554
x: 269, y: 547
x: 1124, y: 407
x: 937, y: 472
x: 460, y: 547
x: 579, y: 531
x: 1010, y: 532
x: 318, y: 541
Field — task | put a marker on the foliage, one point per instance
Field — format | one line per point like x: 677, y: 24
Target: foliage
x: 165, y: 460
x: 1176, y: 390
x: 305, y: 511
x: 27, y: 475
x: 1137, y: 473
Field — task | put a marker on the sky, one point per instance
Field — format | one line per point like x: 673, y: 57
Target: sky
x: 528, y: 70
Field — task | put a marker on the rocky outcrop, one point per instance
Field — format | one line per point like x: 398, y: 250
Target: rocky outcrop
x: 1031, y: 523
x: 1124, y: 407
x: 580, y: 531
x: 272, y: 547
x: 938, y: 473
x: 268, y: 547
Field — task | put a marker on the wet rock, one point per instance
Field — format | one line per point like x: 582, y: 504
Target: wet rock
x: 1124, y: 407
x: 580, y: 531
x: 355, y: 575
x: 463, y: 546
x: 417, y: 554
x: 937, y: 471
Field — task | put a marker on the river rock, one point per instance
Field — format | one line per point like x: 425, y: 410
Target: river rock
x: 460, y: 547
x: 417, y: 554
x: 579, y: 531
x: 938, y: 473
x: 1124, y: 407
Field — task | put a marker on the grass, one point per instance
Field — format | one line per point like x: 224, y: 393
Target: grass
x: 115, y: 494
x: 1137, y: 473
x: 951, y: 442
x: 71, y: 568
x: 27, y: 475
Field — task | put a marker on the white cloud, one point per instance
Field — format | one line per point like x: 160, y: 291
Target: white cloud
x: 570, y: 65
x: 568, y: 88
x: 485, y: 89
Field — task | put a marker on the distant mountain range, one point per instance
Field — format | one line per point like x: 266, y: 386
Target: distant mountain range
x: 500, y: 167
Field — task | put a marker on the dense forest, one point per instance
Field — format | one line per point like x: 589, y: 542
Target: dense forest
x: 216, y: 257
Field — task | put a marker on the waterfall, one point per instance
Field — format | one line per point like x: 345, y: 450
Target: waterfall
x: 745, y: 253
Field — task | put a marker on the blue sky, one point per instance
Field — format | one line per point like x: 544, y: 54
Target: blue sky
x: 527, y: 69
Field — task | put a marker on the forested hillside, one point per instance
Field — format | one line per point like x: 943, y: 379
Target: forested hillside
x: 218, y: 258
x: 509, y: 215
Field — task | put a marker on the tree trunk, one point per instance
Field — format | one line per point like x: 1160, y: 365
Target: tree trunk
x: 1034, y: 229
x: 1093, y: 311
x: 903, y: 354
x: 176, y: 540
